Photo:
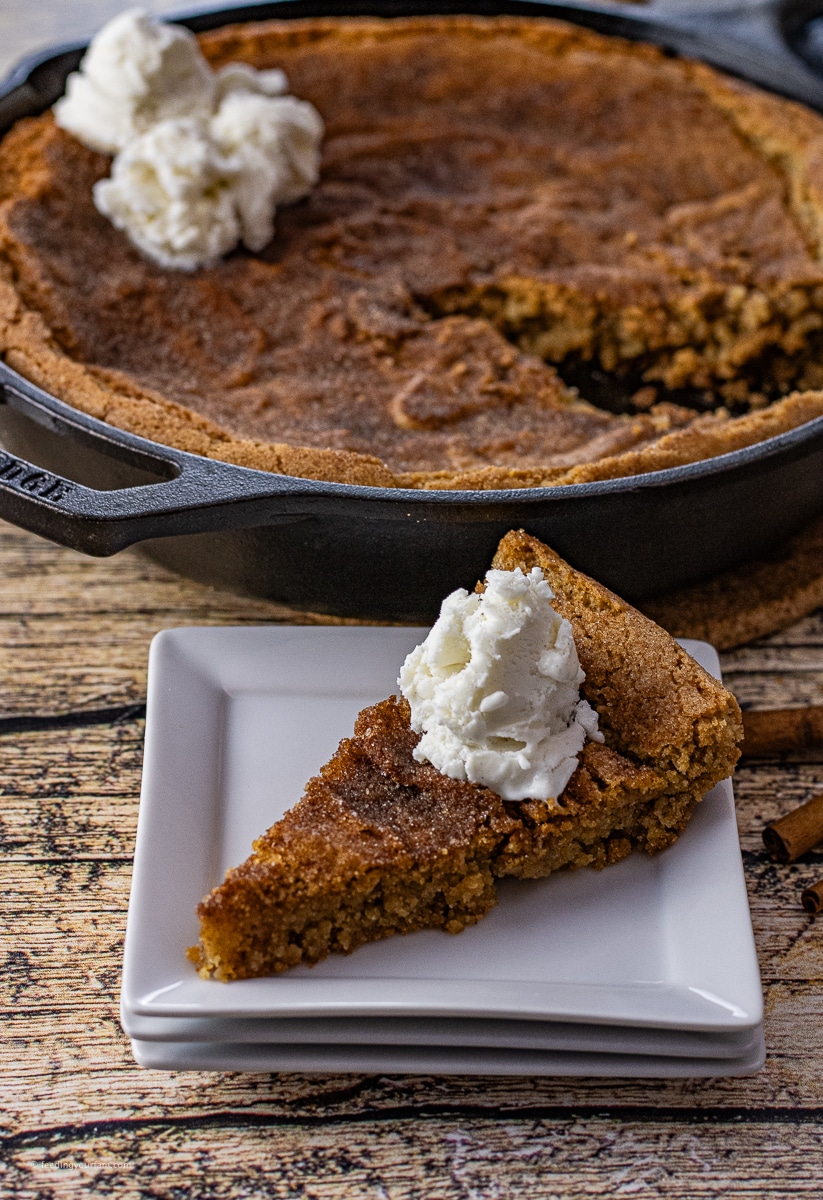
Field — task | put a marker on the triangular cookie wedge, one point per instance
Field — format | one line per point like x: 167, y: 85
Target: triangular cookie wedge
x: 382, y: 844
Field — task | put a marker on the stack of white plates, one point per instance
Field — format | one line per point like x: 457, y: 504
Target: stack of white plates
x: 645, y: 969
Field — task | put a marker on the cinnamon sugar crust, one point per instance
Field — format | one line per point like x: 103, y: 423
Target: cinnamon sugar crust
x: 489, y: 240
x: 381, y: 844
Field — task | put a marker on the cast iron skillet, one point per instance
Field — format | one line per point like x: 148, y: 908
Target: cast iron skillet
x: 393, y: 554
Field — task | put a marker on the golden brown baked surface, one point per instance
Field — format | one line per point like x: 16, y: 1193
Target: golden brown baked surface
x: 381, y: 844
x: 497, y: 196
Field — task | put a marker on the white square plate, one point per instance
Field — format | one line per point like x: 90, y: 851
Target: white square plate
x: 444, y: 1031
x: 239, y: 719
x: 437, y: 1060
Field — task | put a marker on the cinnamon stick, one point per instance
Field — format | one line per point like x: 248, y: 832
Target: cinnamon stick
x: 773, y: 730
x: 795, y: 833
x: 812, y: 898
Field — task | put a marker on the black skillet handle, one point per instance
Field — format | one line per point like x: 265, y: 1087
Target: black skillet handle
x: 188, y: 494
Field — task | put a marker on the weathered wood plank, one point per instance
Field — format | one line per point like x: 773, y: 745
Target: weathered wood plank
x: 78, y: 583
x: 440, y: 1158
x: 806, y: 632
x: 83, y: 626
x: 791, y: 658
x: 788, y: 689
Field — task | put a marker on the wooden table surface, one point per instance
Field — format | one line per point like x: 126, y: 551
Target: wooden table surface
x: 81, y: 1118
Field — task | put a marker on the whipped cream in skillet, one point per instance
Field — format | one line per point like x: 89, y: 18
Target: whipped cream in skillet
x: 203, y: 158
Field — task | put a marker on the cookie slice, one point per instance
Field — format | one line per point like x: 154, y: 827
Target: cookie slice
x: 382, y: 844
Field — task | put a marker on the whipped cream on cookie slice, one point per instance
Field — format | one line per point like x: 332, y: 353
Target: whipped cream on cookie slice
x: 495, y: 689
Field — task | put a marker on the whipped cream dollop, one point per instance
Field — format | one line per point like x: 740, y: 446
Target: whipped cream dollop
x: 275, y: 144
x: 136, y: 72
x: 203, y: 158
x: 495, y: 689
x: 171, y: 192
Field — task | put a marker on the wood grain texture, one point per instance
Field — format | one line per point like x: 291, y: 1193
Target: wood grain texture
x: 80, y: 1118
x: 85, y: 624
